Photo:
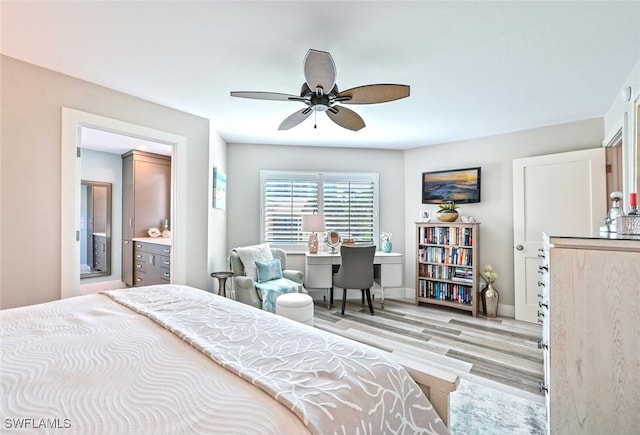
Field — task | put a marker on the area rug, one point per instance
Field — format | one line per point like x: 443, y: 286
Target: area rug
x: 477, y: 409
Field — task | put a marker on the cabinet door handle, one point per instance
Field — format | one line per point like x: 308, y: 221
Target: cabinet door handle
x: 541, y: 284
x: 540, y: 304
x: 519, y: 247
x: 131, y: 221
x: 152, y: 260
x: 542, y: 345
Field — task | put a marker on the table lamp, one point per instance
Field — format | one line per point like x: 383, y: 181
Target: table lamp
x: 312, y: 224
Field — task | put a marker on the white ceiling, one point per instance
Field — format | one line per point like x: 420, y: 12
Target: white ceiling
x: 475, y: 68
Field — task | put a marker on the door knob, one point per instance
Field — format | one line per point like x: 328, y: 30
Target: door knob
x: 519, y: 247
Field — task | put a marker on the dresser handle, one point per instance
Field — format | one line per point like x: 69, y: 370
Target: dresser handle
x: 166, y: 274
x: 541, y: 256
x: 543, y: 388
x: 541, y: 284
x: 166, y: 262
x: 542, y: 345
x: 540, y: 314
x: 543, y: 268
x: 540, y: 304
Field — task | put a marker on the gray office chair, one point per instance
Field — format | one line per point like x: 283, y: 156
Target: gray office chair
x: 356, y: 272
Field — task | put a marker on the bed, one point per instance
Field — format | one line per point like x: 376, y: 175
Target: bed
x: 173, y: 359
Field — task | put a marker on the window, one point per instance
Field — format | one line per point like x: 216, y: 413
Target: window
x: 349, y: 202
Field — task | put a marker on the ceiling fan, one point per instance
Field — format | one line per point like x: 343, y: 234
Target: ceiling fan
x: 320, y: 94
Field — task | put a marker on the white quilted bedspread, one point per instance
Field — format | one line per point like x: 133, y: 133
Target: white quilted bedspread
x: 329, y: 384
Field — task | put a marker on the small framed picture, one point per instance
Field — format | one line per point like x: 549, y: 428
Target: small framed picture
x: 425, y: 215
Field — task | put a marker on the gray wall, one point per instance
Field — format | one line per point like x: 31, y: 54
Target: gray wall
x: 30, y: 177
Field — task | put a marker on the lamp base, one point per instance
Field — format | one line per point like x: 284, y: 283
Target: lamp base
x: 313, y: 243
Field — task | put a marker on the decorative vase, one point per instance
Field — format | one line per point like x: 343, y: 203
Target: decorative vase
x: 490, y: 299
x: 386, y: 246
x: 447, y: 215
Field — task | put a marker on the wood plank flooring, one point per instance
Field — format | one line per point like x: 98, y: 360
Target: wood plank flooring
x: 499, y: 352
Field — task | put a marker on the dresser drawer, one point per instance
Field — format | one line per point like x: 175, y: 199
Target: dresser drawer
x: 139, y: 246
x: 140, y: 266
x: 158, y: 249
x: 139, y: 278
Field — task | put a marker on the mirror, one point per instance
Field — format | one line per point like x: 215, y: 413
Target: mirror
x: 95, y: 229
x: 333, y: 240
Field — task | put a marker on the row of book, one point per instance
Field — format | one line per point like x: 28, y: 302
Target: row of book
x: 462, y: 236
x: 447, y: 255
x: 461, y: 274
x: 445, y: 291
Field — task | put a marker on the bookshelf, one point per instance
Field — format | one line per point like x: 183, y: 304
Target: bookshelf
x: 447, y: 265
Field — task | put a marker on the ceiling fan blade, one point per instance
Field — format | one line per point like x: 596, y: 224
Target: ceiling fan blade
x: 295, y: 118
x: 346, y: 118
x: 274, y: 96
x: 319, y: 70
x: 370, y: 94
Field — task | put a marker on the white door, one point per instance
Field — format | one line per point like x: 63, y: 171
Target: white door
x: 561, y: 194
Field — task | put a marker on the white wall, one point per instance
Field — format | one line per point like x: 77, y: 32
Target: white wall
x: 217, y: 219
x: 621, y: 116
x: 107, y: 168
x: 30, y: 184
x: 495, y: 211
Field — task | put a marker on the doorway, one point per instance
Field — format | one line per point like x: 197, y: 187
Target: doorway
x: 72, y: 123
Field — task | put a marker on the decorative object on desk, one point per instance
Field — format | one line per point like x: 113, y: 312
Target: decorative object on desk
x: 166, y: 234
x: 447, y: 212
x: 614, y: 213
x: 387, y: 246
x: 313, y: 224
x: 348, y: 242
x: 219, y: 191
x: 629, y: 225
x: 425, y: 216
x: 333, y: 241
x: 154, y: 232
x: 490, y: 295
x: 468, y: 219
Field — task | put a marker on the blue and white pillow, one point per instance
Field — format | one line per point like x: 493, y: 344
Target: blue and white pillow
x: 269, y: 270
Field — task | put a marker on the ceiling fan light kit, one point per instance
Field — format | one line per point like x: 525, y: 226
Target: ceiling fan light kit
x: 320, y: 76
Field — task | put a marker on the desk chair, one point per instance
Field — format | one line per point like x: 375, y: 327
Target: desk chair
x: 356, y: 272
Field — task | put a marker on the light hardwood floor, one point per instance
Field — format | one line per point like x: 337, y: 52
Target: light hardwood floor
x: 498, y: 352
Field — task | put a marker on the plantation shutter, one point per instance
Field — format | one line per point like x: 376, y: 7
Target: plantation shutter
x: 285, y: 201
x: 349, y: 202
x: 350, y: 207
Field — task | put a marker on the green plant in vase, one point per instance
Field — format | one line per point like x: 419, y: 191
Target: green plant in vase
x: 447, y: 212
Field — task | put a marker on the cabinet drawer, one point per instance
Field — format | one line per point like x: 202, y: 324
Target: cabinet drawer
x: 166, y: 275
x: 139, y: 256
x: 164, y: 262
x: 139, y: 279
x: 140, y: 266
x: 158, y: 249
x: 139, y: 246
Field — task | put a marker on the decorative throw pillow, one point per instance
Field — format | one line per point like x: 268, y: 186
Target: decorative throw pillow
x: 250, y: 254
x: 269, y: 270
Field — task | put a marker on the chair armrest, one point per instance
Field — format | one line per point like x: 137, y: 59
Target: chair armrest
x: 293, y: 275
x: 246, y: 291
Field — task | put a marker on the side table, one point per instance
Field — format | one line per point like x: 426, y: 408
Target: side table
x: 222, y: 278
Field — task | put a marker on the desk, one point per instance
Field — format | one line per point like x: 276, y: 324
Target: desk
x: 387, y: 270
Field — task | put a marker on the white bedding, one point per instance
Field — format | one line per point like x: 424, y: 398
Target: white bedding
x: 90, y: 365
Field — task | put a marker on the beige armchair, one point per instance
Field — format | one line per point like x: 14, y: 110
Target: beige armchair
x: 245, y: 287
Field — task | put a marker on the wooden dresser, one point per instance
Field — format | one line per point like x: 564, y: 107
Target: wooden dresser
x: 590, y: 311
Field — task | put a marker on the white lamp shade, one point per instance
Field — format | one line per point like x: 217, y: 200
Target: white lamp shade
x: 313, y: 223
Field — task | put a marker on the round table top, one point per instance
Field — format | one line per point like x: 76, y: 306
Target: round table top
x: 224, y: 274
